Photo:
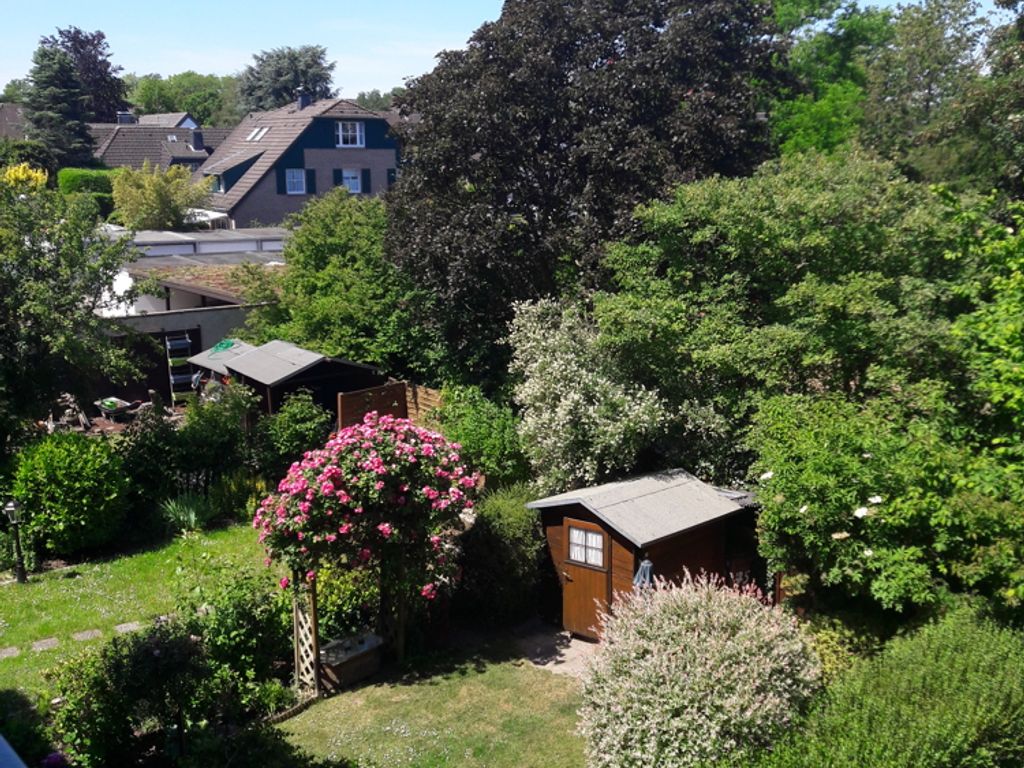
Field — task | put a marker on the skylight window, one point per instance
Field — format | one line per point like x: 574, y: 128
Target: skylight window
x: 171, y: 137
x: 257, y: 134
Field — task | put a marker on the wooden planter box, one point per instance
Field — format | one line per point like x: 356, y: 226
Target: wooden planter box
x: 349, y: 660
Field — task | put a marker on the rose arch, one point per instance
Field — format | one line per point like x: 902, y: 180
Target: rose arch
x: 385, y: 495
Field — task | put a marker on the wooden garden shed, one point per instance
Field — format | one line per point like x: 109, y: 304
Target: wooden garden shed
x: 278, y: 368
x: 598, y: 537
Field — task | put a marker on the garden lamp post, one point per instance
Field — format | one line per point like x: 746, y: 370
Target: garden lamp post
x: 13, y: 511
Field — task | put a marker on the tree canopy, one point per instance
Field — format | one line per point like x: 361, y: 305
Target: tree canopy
x: 55, y: 107
x: 56, y: 274
x: 102, y: 85
x: 534, y: 143
x: 276, y: 77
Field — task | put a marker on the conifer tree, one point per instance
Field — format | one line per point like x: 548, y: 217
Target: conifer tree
x: 55, y: 108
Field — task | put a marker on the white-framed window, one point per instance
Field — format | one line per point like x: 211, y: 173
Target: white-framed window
x: 352, y: 180
x: 586, y: 547
x: 218, y: 183
x: 350, y: 133
x: 295, y: 181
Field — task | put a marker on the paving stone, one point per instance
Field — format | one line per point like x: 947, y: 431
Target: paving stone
x: 45, y: 645
x: 89, y: 634
x: 9, y: 653
x: 131, y: 626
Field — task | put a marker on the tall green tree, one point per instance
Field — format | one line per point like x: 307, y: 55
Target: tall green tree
x: 55, y: 107
x: 340, y: 296
x: 56, y: 273
x: 15, y: 90
x: 934, y: 56
x: 829, y: 64
x: 276, y: 76
x: 210, y: 99
x: 379, y: 101
x: 535, y: 143
x: 102, y: 85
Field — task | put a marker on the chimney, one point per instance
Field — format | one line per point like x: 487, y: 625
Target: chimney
x: 125, y: 118
x: 197, y: 140
x: 304, y: 99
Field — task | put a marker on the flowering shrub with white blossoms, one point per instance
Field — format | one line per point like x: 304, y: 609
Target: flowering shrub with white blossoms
x: 579, y: 423
x: 382, y: 494
x: 693, y: 674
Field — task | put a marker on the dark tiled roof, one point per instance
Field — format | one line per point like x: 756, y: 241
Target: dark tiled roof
x: 131, y: 145
x: 166, y: 119
x: 12, y: 122
x: 284, y: 125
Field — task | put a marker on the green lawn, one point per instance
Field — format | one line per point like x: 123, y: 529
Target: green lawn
x: 101, y: 595
x: 491, y: 711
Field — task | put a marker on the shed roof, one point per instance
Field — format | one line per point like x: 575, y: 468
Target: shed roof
x: 274, y: 362
x: 652, y: 507
x: 217, y: 356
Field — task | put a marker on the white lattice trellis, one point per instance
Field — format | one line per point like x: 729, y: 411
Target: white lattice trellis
x: 307, y: 645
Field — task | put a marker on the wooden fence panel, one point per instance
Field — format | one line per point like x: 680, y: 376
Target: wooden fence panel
x: 400, y: 398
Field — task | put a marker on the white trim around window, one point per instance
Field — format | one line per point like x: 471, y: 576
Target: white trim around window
x: 350, y: 134
x: 295, y: 181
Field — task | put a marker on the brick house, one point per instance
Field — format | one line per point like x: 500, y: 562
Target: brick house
x: 273, y: 162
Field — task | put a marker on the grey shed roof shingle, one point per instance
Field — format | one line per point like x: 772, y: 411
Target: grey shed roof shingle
x: 274, y: 362
x: 652, y: 507
x: 216, y: 357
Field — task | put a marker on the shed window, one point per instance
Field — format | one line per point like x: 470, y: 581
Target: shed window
x: 586, y: 547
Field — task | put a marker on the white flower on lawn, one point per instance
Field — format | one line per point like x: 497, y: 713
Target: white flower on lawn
x: 840, y: 535
x: 867, y: 455
x: 868, y: 552
x: 803, y: 509
x: 875, y: 500
x: 860, y: 512
x: 767, y: 475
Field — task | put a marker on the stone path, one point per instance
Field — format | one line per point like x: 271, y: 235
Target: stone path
x: 552, y: 649
x: 49, y: 643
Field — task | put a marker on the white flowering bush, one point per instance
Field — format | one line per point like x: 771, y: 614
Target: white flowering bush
x: 693, y: 674
x: 579, y: 423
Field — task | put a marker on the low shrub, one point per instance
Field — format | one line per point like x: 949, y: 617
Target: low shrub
x: 244, y: 619
x: 502, y: 555
x: 73, y: 490
x: 138, y: 693
x: 348, y: 601
x: 299, y: 425
x: 950, y: 695
x: 187, y: 512
x: 94, y: 180
x: 147, y: 449
x: 212, y: 442
x: 35, y: 153
x: 487, y: 433
x: 693, y: 674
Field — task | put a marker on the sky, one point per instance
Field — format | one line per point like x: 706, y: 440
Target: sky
x: 375, y: 45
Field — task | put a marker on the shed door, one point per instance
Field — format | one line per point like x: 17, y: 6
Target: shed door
x: 585, y: 576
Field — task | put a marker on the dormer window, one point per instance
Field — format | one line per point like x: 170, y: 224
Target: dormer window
x: 350, y: 133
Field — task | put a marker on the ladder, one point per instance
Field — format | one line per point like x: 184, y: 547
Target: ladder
x: 179, y: 370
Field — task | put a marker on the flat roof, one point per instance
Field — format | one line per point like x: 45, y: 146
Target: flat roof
x: 651, y: 507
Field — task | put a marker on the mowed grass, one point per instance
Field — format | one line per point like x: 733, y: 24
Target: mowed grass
x: 101, y: 595
x: 487, y: 711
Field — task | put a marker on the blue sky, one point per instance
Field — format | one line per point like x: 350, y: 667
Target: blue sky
x: 376, y: 45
